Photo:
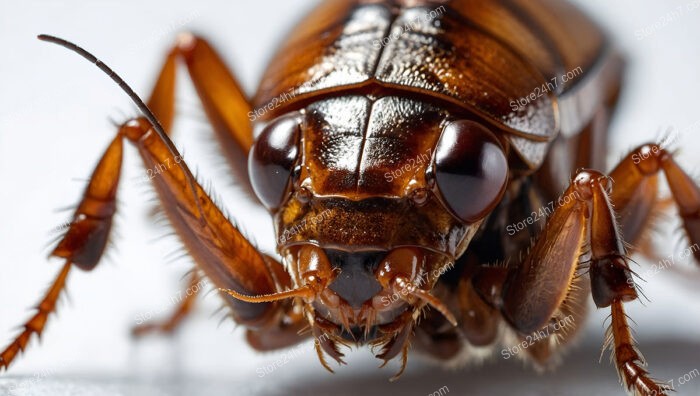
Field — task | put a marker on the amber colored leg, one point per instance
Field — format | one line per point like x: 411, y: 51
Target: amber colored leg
x: 628, y: 360
x: 535, y: 290
x: 224, y: 101
x: 86, y: 238
x: 566, y: 323
x: 227, y: 108
x: 36, y: 324
x: 221, y: 97
x: 611, y: 285
x: 83, y: 243
x: 636, y: 190
x: 162, y: 100
x: 169, y: 325
x: 219, y: 249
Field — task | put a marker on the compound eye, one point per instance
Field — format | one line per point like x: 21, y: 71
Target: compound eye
x: 272, y: 159
x: 471, y: 170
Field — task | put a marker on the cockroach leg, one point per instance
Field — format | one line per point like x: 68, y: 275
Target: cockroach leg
x: 226, y: 105
x: 219, y: 249
x: 83, y: 243
x: 36, y: 324
x: 562, y: 328
x: 181, y: 312
x: 536, y: 288
x: 584, y: 226
x: 635, y: 192
x: 86, y: 239
x: 224, y: 255
x: 224, y: 101
x: 198, y: 55
x: 628, y: 360
x: 162, y: 99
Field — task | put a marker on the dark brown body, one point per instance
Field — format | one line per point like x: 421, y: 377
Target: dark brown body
x: 377, y: 110
x: 402, y: 71
x: 403, y: 148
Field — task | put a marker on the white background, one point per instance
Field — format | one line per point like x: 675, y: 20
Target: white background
x: 54, y: 123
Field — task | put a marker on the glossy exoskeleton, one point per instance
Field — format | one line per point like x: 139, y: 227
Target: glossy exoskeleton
x: 402, y: 147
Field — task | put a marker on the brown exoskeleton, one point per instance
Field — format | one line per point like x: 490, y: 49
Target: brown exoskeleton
x: 398, y: 140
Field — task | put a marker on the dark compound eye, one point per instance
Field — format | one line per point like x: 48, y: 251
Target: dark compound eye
x: 471, y: 170
x: 272, y: 159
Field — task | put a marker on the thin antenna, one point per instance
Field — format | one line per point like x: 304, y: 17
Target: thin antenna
x: 134, y: 97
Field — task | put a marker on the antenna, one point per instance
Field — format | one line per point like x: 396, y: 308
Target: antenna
x: 152, y: 119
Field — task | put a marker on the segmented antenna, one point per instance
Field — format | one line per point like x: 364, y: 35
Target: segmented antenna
x: 114, y: 76
x: 152, y: 119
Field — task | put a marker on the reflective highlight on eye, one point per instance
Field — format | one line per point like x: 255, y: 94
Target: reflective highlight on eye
x: 471, y: 170
x: 272, y: 158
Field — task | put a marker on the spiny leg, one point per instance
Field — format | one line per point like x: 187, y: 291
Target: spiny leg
x: 225, y: 104
x: 635, y: 197
x: 36, y: 324
x: 635, y: 192
x: 86, y: 239
x: 536, y: 289
x: 225, y: 256
x: 219, y: 249
x: 611, y: 285
x: 626, y: 356
x: 83, y: 243
x: 545, y: 345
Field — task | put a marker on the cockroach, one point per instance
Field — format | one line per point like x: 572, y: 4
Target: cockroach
x: 400, y: 145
